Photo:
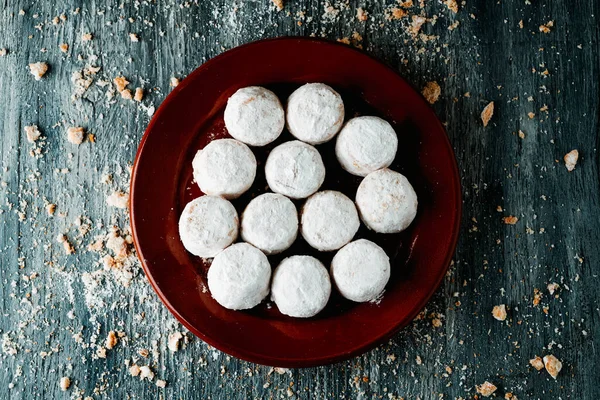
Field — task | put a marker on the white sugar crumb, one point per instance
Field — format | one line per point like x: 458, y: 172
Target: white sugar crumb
x: 487, y: 113
x: 499, y: 312
x: 67, y: 246
x: 33, y: 133
x: 486, y: 389
x: 146, y: 373
x: 134, y: 37
x: 571, y: 160
x: 160, y: 383
x: 75, y: 134
x: 173, y: 341
x: 537, y: 363
x: 111, y: 340
x: 174, y: 82
x: 38, y: 70
x: 65, y: 382
x: 3, y: 52
x: 553, y: 365
x: 118, y: 199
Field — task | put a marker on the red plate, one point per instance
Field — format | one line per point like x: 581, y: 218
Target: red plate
x: 192, y: 115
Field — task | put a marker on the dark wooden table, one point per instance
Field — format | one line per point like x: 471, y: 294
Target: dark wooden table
x: 58, y: 308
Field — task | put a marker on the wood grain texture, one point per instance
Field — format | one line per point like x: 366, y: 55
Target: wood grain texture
x: 488, y: 55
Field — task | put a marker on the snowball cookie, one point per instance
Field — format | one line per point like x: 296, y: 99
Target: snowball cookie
x: 295, y: 169
x: 366, y: 144
x: 225, y: 167
x: 239, y: 277
x: 254, y: 115
x: 301, y: 286
x: 207, y: 225
x: 386, y: 201
x: 360, y: 270
x: 270, y: 222
x: 329, y: 220
x: 315, y: 113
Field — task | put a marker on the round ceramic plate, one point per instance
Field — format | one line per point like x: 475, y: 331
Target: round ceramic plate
x: 192, y: 115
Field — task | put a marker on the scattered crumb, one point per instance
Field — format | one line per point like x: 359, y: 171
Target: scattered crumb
x: 173, y: 341
x: 510, y: 220
x: 396, y: 13
x: 65, y: 382
x: 436, y: 322
x: 50, y: 209
x: 552, y: 287
x: 278, y: 4
x: 120, y: 83
x: 118, y: 199
x: 139, y: 94
x: 531, y: 115
x: 537, y: 363
x: 3, y: 52
x: 361, y: 14
x: 160, y: 383
x: 134, y: 37
x: 174, y: 81
x: 134, y: 370
x: 553, y: 365
x: 144, y: 353
x: 487, y: 113
x: 32, y: 132
x: 86, y: 37
x: 67, y: 246
x: 38, y: 70
x: 521, y: 24
x: 545, y: 28
x: 571, y: 160
x: 101, y: 352
x: 452, y: 5
x: 486, y: 389
x: 416, y: 24
x: 431, y: 92
x: 126, y: 94
x: 63, y: 47
x: 92, y: 137
x: 111, y: 340
x: 75, y: 134
x: 521, y: 134
x: 146, y: 372
x: 537, y: 297
x: 499, y: 312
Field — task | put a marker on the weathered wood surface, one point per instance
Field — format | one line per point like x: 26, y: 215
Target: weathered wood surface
x: 555, y: 240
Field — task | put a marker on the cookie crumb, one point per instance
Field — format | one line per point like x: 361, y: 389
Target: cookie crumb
x: 134, y: 37
x: 499, y: 312
x: 553, y: 365
x: 139, y: 94
x: 120, y: 83
x: 38, y: 70
x: 134, y: 370
x: 552, y: 287
x: 510, y: 220
x: 126, y: 94
x: 278, y: 4
x: 50, y: 209
x: 67, y: 246
x: 174, y: 82
x: 361, y: 14
x: 118, y: 199
x: 487, y: 113
x: 101, y: 352
x: 32, y: 132
x: 111, y: 340
x: 173, y: 341
x: 545, y: 28
x: 571, y: 160
x: 63, y: 47
x: 146, y: 372
x: 3, y: 52
x: 160, y: 383
x: 65, y: 382
x: 486, y: 389
x: 452, y: 5
x: 75, y: 134
x: 431, y: 92
x: 86, y: 37
x: 537, y: 297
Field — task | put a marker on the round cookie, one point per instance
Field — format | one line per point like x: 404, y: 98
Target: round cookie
x: 254, y: 115
x: 270, y: 222
x: 386, y: 201
x: 239, y: 277
x: 366, y: 144
x: 295, y: 169
x: 207, y: 225
x: 315, y: 113
x: 360, y: 270
x: 225, y: 167
x: 300, y: 286
x: 329, y: 220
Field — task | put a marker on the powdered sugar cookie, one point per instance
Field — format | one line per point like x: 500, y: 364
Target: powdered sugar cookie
x: 239, y: 277
x: 329, y: 220
x: 254, y: 115
x: 300, y: 286
x: 295, y: 169
x: 270, y: 222
x: 386, y: 201
x: 366, y: 144
x: 207, y: 225
x: 360, y: 270
x: 225, y: 167
x: 315, y: 113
